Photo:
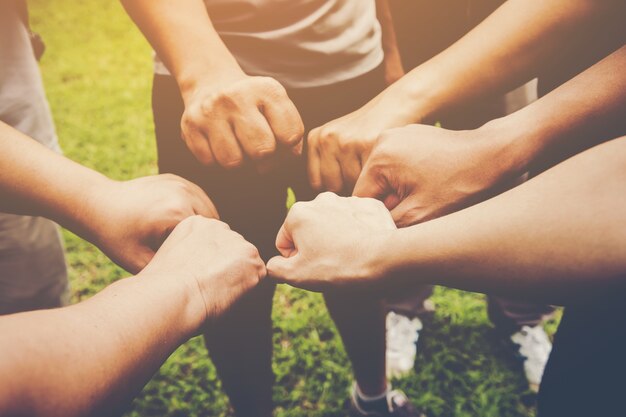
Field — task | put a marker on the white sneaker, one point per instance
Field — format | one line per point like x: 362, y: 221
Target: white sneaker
x: 534, y: 348
x: 402, y: 335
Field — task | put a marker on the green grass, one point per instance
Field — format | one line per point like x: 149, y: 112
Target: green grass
x: 97, y: 72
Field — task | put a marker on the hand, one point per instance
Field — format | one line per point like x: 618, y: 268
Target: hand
x: 243, y: 116
x: 330, y: 242
x: 129, y: 220
x: 215, y: 263
x: 422, y: 172
x: 338, y: 150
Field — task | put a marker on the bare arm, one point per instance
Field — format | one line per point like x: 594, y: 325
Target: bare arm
x: 93, y: 357
x: 394, y: 69
x: 501, y: 53
x: 128, y: 220
x: 229, y: 116
x: 557, y: 238
x: 423, y: 172
x: 507, y: 49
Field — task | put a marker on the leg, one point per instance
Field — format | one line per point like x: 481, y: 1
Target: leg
x: 240, y: 342
x: 33, y: 274
x: 509, y: 316
x: 361, y: 322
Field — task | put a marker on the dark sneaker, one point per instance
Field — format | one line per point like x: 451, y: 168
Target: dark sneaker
x: 397, y: 405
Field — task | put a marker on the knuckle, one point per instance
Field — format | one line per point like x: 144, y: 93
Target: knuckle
x: 232, y: 162
x: 225, y: 100
x: 263, y: 151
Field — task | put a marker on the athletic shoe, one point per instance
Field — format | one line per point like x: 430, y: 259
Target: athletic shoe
x: 533, y: 346
x: 397, y: 405
x: 402, y: 336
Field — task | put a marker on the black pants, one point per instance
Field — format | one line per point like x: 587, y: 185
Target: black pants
x: 586, y: 374
x: 253, y: 205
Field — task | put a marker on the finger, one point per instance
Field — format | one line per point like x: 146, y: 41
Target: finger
x: 408, y: 213
x: 284, y: 242
x: 198, y: 144
x: 313, y: 166
x: 202, y: 204
x: 330, y: 170
x: 350, y: 171
x: 254, y: 135
x: 224, y: 145
x: 284, y: 120
x: 370, y: 184
x: 283, y: 269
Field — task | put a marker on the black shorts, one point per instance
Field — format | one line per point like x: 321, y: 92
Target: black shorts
x: 251, y: 203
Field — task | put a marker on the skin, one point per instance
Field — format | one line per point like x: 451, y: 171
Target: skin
x: 117, y: 339
x: 506, y: 50
x: 552, y: 239
x: 127, y: 220
x: 394, y: 70
x: 229, y: 116
x: 423, y: 172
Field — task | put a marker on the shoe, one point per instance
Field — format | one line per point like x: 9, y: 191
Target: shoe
x: 533, y: 346
x: 402, y: 336
x: 398, y: 405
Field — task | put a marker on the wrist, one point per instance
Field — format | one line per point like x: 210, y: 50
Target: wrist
x: 181, y: 300
x: 208, y: 77
x: 382, y: 262
x: 513, y: 144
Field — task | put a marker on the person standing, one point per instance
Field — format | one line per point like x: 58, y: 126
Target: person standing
x: 33, y: 273
x: 241, y: 82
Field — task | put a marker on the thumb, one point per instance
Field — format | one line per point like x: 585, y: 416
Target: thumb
x: 281, y: 269
x: 407, y: 213
x: 371, y: 183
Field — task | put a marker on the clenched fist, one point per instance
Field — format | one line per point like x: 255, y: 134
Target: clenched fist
x: 338, y: 150
x: 128, y: 220
x: 423, y: 172
x: 331, y: 242
x: 238, y: 118
x: 217, y: 264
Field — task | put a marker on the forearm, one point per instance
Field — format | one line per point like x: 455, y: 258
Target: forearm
x: 183, y: 36
x: 93, y: 357
x: 556, y: 238
x: 501, y: 53
x: 581, y: 113
x: 36, y: 181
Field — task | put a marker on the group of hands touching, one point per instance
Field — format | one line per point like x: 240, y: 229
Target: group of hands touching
x: 168, y: 226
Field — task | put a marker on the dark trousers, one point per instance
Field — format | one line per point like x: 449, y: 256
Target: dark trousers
x: 425, y: 28
x: 253, y: 205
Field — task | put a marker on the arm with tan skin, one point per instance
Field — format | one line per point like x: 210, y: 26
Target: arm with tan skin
x: 504, y: 51
x: 92, y: 358
x: 394, y: 69
x: 423, y: 172
x: 128, y: 220
x: 229, y: 115
x: 557, y: 238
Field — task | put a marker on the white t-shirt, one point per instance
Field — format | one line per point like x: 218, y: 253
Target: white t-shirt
x: 301, y: 43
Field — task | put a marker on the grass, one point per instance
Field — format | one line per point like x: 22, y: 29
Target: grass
x: 97, y: 72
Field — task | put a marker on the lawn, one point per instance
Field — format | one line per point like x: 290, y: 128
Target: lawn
x: 97, y: 72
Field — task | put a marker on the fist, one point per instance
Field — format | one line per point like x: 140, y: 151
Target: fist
x: 129, y: 220
x: 331, y: 242
x: 423, y: 172
x: 217, y: 264
x: 246, y: 117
